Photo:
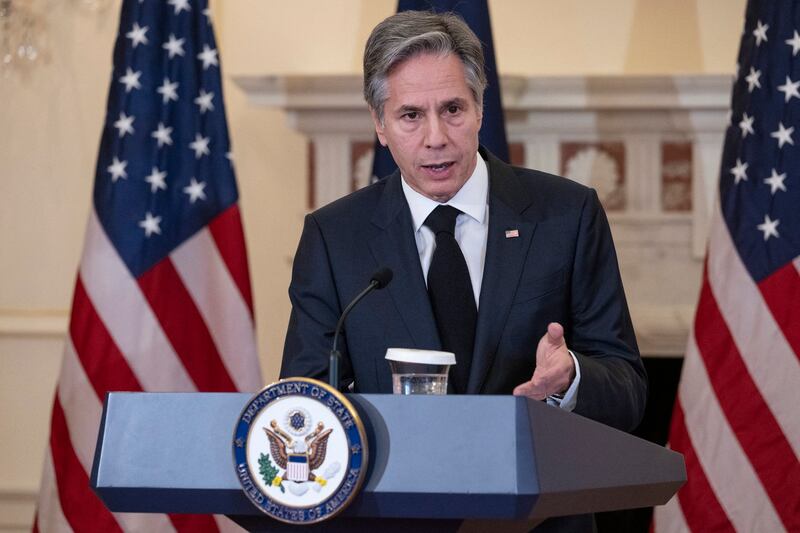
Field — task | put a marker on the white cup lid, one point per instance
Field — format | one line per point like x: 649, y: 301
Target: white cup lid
x: 427, y: 357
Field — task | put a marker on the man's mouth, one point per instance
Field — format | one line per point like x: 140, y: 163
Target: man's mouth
x: 438, y: 167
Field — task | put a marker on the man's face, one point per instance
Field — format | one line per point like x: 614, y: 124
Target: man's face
x: 431, y: 124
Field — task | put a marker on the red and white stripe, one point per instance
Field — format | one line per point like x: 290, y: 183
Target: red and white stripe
x: 185, y: 325
x: 297, y: 471
x: 736, y: 416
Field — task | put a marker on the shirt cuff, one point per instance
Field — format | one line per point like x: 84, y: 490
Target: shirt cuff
x: 569, y: 399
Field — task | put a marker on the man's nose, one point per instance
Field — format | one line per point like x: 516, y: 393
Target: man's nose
x: 435, y: 132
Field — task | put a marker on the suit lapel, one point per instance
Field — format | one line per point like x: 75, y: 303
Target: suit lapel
x: 393, y: 246
x: 505, y: 258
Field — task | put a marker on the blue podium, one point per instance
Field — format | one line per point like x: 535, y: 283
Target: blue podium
x: 438, y: 463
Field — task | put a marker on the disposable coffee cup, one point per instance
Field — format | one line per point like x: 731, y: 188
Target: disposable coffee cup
x: 419, y: 371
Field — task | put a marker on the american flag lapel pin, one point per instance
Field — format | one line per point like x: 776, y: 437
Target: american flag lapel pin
x: 512, y: 233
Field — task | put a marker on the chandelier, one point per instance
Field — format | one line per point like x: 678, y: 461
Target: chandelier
x: 21, y: 36
x: 23, y: 32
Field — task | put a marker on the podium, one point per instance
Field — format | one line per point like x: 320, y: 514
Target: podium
x: 437, y: 463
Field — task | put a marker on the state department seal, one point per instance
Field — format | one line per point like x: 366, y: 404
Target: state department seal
x: 300, y: 451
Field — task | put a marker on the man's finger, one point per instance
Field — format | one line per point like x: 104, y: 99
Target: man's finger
x: 555, y: 333
x: 550, y: 341
x: 530, y: 390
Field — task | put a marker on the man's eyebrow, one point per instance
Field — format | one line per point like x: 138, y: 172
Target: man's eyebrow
x: 409, y: 108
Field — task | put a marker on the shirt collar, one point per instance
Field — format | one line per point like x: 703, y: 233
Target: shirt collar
x: 470, y: 199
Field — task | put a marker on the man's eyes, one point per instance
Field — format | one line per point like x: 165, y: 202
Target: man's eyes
x: 452, y: 109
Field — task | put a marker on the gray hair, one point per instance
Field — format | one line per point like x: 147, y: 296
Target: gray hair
x: 410, y: 33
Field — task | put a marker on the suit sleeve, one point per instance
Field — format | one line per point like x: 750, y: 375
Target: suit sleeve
x: 315, y: 311
x: 613, y: 387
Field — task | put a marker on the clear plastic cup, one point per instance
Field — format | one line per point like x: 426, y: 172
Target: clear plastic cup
x: 419, y: 371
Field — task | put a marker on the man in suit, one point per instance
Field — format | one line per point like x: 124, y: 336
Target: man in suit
x: 520, y: 281
x: 546, y: 314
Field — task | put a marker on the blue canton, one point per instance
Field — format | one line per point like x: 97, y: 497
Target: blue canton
x: 164, y: 169
x: 760, y: 174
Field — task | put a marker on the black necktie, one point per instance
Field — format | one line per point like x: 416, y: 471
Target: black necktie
x: 450, y: 292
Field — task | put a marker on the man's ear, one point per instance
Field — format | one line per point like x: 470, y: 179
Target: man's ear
x: 378, y: 127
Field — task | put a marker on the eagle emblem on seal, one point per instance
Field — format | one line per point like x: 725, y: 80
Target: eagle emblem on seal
x: 301, y: 454
x: 300, y: 451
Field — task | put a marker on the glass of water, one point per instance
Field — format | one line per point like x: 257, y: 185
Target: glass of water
x: 419, y: 371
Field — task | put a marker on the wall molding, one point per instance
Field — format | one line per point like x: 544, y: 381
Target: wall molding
x: 33, y: 323
x: 16, y: 510
x: 344, y: 92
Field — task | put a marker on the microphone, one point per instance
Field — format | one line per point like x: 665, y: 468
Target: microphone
x: 379, y: 280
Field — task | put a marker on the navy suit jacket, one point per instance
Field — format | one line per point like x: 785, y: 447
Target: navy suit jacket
x: 561, y: 268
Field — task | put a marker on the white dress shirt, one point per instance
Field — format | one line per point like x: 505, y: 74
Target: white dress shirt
x: 471, y: 232
x: 472, y: 225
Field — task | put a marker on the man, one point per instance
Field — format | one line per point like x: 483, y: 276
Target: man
x: 512, y: 269
x: 543, y: 313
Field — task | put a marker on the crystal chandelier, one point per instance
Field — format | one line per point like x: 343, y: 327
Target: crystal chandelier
x: 21, y: 36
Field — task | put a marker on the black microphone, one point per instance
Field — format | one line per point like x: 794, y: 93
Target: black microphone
x: 379, y: 280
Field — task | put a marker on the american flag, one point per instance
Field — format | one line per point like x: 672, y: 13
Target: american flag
x: 162, y: 300
x: 737, y: 415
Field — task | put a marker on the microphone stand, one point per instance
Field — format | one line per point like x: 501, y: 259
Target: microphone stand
x: 336, y: 356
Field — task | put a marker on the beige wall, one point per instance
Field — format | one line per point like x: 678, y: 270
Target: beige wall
x: 50, y: 121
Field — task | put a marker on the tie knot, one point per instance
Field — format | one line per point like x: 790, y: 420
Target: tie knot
x: 443, y: 219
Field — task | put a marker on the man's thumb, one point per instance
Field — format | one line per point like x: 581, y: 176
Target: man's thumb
x: 555, y: 333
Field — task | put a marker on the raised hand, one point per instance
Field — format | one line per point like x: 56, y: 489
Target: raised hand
x: 555, y: 368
